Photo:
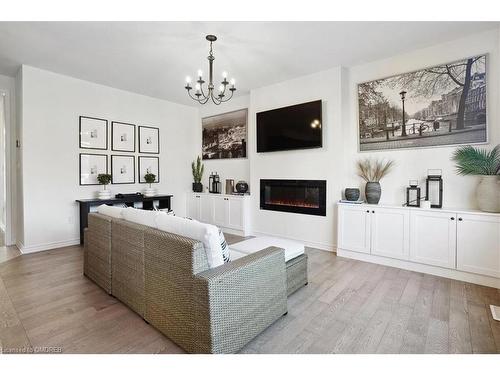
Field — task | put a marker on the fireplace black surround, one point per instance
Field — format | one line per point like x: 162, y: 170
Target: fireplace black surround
x: 298, y: 196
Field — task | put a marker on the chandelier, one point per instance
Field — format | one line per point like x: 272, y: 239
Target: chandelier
x: 200, y: 94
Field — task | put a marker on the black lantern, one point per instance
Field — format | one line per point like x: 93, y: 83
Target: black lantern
x: 434, y: 188
x: 413, y: 194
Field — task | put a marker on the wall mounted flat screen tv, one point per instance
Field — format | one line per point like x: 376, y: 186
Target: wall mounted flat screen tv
x: 290, y: 128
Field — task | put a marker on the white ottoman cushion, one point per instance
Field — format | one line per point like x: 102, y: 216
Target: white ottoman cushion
x: 292, y: 248
x: 236, y: 254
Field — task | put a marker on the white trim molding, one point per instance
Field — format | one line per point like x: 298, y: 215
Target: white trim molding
x: 46, y: 246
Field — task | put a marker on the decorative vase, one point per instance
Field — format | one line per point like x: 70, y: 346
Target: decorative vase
x: 150, y: 192
x: 351, y: 194
x: 104, y: 194
x: 373, y: 192
x: 241, y: 187
x: 197, y: 187
x: 488, y: 194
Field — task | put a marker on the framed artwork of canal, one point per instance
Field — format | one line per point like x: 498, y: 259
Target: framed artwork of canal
x: 438, y: 106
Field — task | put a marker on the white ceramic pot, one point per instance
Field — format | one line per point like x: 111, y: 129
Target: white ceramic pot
x: 104, y: 194
x: 149, y: 192
x: 488, y: 194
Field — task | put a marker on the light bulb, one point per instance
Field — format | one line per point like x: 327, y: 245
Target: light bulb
x: 233, y: 81
x: 224, y: 75
x: 200, y: 73
x: 188, y: 79
x: 198, y: 87
x: 221, y: 88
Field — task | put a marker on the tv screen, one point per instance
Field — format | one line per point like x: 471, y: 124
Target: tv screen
x: 290, y: 128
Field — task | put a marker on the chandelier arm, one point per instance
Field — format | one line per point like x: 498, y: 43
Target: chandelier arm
x: 229, y: 97
x: 194, y: 98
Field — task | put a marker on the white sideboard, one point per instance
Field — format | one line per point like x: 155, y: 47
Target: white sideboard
x: 459, y: 244
x: 229, y: 212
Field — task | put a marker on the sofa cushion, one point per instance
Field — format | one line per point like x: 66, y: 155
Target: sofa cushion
x: 226, y: 255
x: 116, y: 212
x: 292, y: 248
x: 205, y: 233
x: 138, y: 216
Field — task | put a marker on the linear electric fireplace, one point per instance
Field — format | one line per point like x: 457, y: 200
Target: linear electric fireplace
x: 299, y: 196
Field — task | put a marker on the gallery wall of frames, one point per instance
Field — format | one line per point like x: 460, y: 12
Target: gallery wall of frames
x: 110, y: 147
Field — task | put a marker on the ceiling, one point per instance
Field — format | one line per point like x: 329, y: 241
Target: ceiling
x: 153, y: 58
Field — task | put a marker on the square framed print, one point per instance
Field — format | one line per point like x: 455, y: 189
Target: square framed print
x: 122, y: 169
x: 91, y: 165
x: 122, y: 137
x: 224, y: 136
x: 149, y: 140
x: 149, y: 164
x: 93, y: 133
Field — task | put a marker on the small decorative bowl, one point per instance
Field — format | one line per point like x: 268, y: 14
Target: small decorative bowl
x: 351, y: 194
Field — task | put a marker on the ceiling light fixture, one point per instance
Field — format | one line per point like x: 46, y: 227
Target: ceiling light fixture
x: 199, y: 93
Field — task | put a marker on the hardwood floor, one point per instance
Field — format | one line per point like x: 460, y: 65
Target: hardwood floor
x: 46, y: 304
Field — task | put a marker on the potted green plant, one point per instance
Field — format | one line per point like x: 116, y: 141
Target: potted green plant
x: 150, y: 178
x: 104, y: 179
x: 197, y: 169
x: 372, y: 172
x: 481, y: 162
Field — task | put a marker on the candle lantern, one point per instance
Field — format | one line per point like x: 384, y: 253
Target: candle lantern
x: 413, y: 194
x: 434, y: 188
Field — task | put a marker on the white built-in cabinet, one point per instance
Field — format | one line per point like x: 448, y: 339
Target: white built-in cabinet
x: 229, y: 212
x: 459, y: 241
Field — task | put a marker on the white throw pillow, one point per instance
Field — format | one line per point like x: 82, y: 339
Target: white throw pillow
x: 205, y: 233
x: 138, y: 216
x: 226, y: 255
x: 116, y: 212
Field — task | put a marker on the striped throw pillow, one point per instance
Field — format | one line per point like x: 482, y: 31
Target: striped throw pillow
x: 225, y: 248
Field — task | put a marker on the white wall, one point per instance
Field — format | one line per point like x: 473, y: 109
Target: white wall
x: 317, y: 164
x: 411, y: 164
x: 236, y: 169
x: 336, y: 161
x: 51, y: 105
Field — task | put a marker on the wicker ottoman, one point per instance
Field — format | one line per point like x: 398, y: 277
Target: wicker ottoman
x: 295, y: 258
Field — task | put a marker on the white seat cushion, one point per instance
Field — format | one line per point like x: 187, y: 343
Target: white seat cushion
x: 205, y: 233
x: 138, y: 216
x: 116, y: 212
x: 292, y: 248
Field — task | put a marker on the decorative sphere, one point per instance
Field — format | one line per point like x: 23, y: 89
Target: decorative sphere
x: 241, y: 187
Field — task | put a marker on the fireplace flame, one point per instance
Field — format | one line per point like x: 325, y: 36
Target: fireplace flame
x: 293, y: 203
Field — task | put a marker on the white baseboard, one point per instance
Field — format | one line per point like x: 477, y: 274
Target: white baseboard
x: 316, y: 245
x: 423, y: 268
x: 46, y: 246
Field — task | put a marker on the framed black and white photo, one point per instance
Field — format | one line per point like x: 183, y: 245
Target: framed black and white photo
x: 122, y: 169
x: 149, y: 140
x: 437, y: 106
x: 149, y: 164
x: 224, y: 136
x: 122, y: 137
x: 93, y: 133
x: 91, y: 165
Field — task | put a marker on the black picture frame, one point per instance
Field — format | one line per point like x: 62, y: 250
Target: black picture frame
x: 80, y: 133
x: 139, y: 168
x: 80, y: 167
x: 113, y: 146
x: 113, y: 174
x: 157, y: 137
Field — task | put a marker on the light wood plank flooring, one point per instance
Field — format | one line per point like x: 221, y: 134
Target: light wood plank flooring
x: 348, y: 307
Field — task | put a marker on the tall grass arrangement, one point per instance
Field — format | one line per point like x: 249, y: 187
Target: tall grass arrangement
x: 374, y: 170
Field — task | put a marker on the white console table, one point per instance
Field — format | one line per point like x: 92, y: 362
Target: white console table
x: 459, y: 244
x: 229, y: 212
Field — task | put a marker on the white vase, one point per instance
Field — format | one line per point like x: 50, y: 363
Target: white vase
x: 104, y: 194
x: 150, y: 192
x: 488, y: 194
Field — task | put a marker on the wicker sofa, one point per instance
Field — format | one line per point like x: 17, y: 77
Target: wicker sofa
x: 166, y: 279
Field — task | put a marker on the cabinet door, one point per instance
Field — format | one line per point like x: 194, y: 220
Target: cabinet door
x: 390, y: 232
x: 433, y: 238
x: 235, y: 213
x: 354, y: 228
x: 220, y: 211
x: 194, y: 204
x: 478, y: 244
x: 206, y: 209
